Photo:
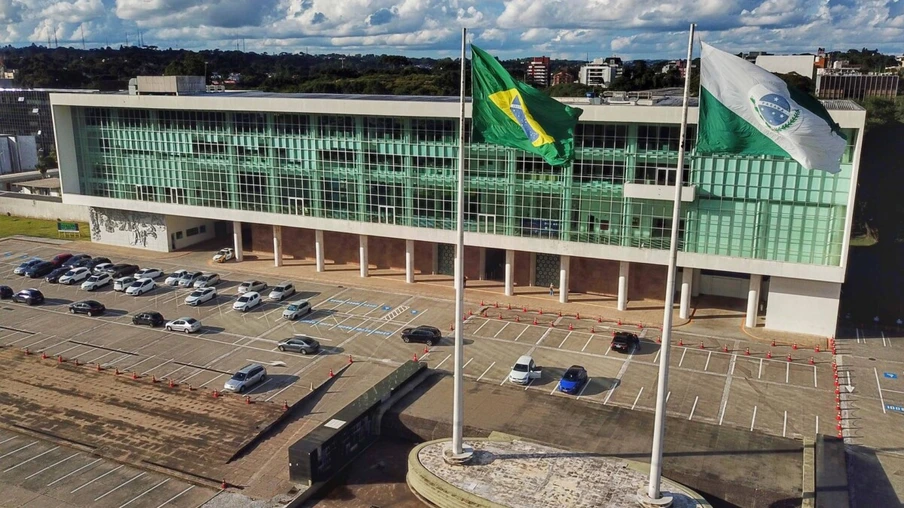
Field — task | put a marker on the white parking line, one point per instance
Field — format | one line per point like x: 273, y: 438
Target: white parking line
x: 587, y: 343
x: 814, y: 377
x: 566, y: 338
x: 760, y: 374
x: 130, y: 501
x: 581, y: 393
x: 785, y: 425
x: 32, y: 475
x: 817, y: 424
x: 485, y: 372
x: 130, y: 367
x: 466, y: 364
x: 444, y: 361
x: 710, y: 355
x: 258, y: 387
x: 884, y: 342
x: 98, y: 478
x: 526, y: 327
x: 656, y: 357
x: 858, y: 335
x: 637, y: 398
x: 503, y: 328
x: 544, y: 335
x: 881, y: 398
x: 7, y: 440
x: 157, y: 366
x: 787, y: 372
x: 485, y: 322
x: 72, y: 473
x: 31, y: 459
x: 693, y: 408
x: 682, y: 357
x: 177, y: 496
x: 121, y: 485
x: 753, y: 419
x: 667, y: 395
x: 29, y: 445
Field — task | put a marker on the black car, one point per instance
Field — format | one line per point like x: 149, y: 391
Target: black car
x: 29, y: 296
x: 40, y: 269
x: 89, y: 307
x: 6, y: 292
x: 96, y: 261
x: 299, y: 344
x: 429, y: 335
x: 625, y: 341
x: 122, y: 270
x: 54, y: 276
x: 149, y: 318
x: 77, y: 260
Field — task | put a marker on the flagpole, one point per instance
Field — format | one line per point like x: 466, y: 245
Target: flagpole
x: 663, y: 385
x: 459, y: 453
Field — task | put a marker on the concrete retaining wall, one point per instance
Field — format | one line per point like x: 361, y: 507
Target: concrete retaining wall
x: 35, y: 207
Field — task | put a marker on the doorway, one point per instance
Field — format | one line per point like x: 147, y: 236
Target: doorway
x: 247, y: 239
x: 494, y: 265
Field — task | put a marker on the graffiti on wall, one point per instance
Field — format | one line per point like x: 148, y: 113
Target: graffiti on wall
x: 140, y: 226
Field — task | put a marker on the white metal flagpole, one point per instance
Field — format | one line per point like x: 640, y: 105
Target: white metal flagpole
x: 663, y: 385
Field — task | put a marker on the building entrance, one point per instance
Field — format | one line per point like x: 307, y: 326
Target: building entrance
x: 494, y: 266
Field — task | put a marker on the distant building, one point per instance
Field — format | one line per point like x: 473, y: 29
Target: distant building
x: 679, y: 65
x: 601, y: 71
x: 39, y: 187
x: 832, y: 84
x: 753, y: 55
x: 803, y: 65
x: 17, y: 154
x: 822, y: 60
x: 562, y: 77
x: 538, y: 71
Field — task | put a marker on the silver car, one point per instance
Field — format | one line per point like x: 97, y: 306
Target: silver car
x: 189, y: 278
x: 251, y: 285
x: 247, y: 377
x: 207, y: 280
x: 183, y: 324
x: 173, y: 278
x: 200, y: 295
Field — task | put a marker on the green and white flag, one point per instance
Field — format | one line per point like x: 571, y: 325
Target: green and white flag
x: 745, y: 109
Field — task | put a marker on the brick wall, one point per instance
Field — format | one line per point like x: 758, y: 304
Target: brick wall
x: 298, y: 243
x: 423, y: 257
x: 342, y: 248
x: 521, y: 271
x: 262, y: 238
x: 593, y: 276
x: 647, y: 281
x: 386, y: 252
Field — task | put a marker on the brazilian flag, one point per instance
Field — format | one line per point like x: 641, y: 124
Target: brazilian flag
x: 510, y: 113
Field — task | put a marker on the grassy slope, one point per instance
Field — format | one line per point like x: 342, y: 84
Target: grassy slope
x: 10, y: 226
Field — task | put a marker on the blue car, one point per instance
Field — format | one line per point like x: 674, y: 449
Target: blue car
x: 573, y: 379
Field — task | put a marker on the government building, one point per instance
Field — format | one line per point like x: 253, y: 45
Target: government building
x: 371, y: 180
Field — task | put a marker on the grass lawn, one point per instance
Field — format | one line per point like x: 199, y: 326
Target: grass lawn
x: 10, y: 226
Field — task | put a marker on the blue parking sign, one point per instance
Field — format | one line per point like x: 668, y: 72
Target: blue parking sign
x: 891, y: 375
x: 892, y: 407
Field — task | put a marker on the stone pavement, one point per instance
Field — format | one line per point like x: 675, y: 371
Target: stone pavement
x: 508, y: 471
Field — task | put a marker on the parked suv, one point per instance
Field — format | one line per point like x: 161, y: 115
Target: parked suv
x: 29, y: 296
x: 54, y: 276
x: 97, y: 281
x: 76, y: 274
x: 429, y: 335
x: 249, y: 376
x: 122, y: 270
x: 77, y: 260
x: 149, y: 318
x: 173, y: 278
x: 122, y: 283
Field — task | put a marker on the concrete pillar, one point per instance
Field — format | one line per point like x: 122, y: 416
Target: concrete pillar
x: 362, y: 254
x: 509, y: 272
x: 695, y: 285
x: 533, y: 269
x: 482, y: 263
x: 237, y: 240
x: 318, y: 249
x: 624, y: 271
x: 409, y: 261
x: 753, y: 300
x: 277, y: 246
x: 687, y: 282
x: 564, y: 266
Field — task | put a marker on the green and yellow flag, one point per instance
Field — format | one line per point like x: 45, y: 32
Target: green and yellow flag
x: 510, y: 113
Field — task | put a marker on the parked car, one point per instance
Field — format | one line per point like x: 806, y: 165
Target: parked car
x: 251, y: 285
x: 30, y: 296
x: 77, y: 260
x: 625, y: 342
x: 97, y: 281
x: 247, y: 301
x: 89, y: 307
x: 299, y: 344
x: 282, y: 290
x: 149, y: 318
x: 249, y: 376
x: 201, y: 295
x: 141, y: 286
x: 122, y: 283
x: 93, y: 262
x: 573, y: 379
x: 6, y: 292
x: 524, y: 371
x: 173, y: 278
x: 429, y: 335
x: 74, y: 275
x: 20, y: 270
x: 224, y: 255
x: 121, y: 270
x: 59, y: 259
x: 54, y: 276
x: 101, y: 267
x: 189, y: 278
x: 150, y: 273
x: 207, y: 280
x: 297, y: 309
x: 39, y: 270
x: 183, y: 324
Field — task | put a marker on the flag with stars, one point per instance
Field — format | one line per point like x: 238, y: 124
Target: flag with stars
x: 747, y: 110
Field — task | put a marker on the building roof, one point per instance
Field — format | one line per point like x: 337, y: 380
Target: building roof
x: 43, y: 183
x: 841, y: 105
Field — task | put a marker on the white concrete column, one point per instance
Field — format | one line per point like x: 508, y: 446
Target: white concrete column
x: 362, y: 254
x: 409, y: 261
x: 687, y: 282
x: 695, y: 285
x: 509, y: 272
x: 277, y: 245
x: 482, y: 263
x: 564, y: 266
x: 753, y: 300
x: 532, y: 280
x: 624, y: 271
x: 237, y: 240
x: 318, y: 249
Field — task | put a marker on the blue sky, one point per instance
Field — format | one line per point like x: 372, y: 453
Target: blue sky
x: 507, y: 28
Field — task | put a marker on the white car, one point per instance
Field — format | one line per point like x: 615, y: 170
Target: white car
x: 524, y: 371
x: 173, y: 278
x: 247, y: 301
x: 97, y: 281
x: 141, y: 286
x: 207, y: 280
x: 297, y: 309
x: 75, y: 275
x: 224, y: 255
x: 102, y: 268
x: 282, y: 290
x: 183, y: 324
x: 251, y: 285
x: 123, y: 283
x: 189, y: 278
x: 150, y: 273
x: 200, y: 295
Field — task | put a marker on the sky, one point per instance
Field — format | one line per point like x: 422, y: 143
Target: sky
x: 572, y: 29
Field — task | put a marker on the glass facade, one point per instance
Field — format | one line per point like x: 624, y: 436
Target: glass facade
x: 27, y: 113
x: 402, y: 171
